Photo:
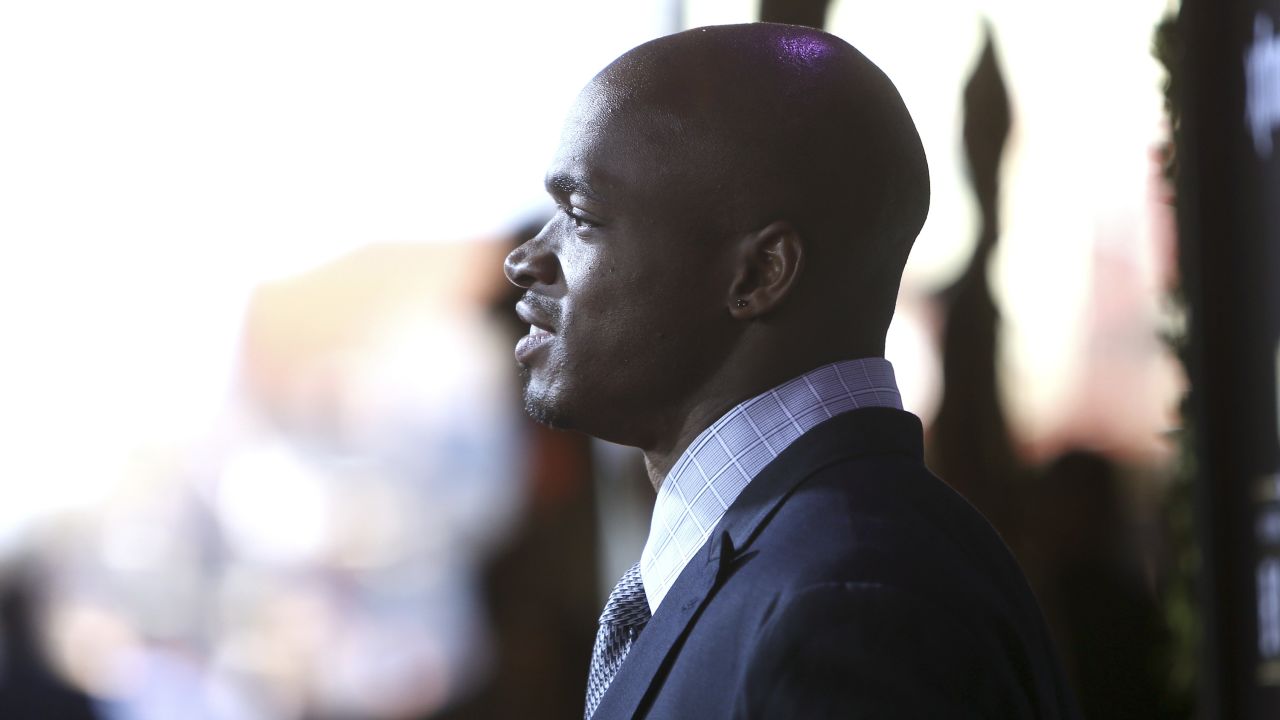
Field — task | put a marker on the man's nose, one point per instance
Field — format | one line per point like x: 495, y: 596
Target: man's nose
x: 531, y: 264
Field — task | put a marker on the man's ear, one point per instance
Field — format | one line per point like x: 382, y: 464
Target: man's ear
x: 768, y: 262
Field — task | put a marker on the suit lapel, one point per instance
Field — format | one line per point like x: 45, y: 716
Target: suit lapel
x: 859, y: 432
x: 664, y: 630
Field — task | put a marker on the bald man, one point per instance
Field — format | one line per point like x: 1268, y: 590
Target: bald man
x: 736, y: 205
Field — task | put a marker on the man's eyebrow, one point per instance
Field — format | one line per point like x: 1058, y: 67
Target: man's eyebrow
x: 566, y: 184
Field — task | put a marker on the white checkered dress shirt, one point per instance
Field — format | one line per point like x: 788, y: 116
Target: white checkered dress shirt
x: 720, y: 462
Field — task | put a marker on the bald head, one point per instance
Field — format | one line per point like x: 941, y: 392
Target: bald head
x: 767, y: 122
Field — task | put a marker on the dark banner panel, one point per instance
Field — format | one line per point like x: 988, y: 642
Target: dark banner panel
x: 1229, y: 217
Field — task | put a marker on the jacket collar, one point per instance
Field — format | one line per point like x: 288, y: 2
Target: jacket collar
x: 869, y: 431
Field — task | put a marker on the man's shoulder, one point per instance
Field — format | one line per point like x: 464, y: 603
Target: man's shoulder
x: 873, y: 570
x: 852, y: 501
x: 872, y: 649
x: 883, y: 530
x: 880, y: 517
x: 854, y: 583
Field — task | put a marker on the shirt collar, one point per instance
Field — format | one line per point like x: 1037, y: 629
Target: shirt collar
x: 719, y: 463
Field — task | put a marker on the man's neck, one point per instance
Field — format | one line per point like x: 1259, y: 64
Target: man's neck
x: 716, y: 401
x: 659, y: 460
x: 741, y: 380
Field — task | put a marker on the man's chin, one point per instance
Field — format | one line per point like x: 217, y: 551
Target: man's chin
x: 539, y: 406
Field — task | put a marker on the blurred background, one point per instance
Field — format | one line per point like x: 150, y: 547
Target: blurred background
x: 261, y: 448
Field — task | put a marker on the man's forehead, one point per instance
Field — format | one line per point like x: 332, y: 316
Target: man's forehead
x: 605, y: 145
x: 600, y: 103
x: 606, y: 116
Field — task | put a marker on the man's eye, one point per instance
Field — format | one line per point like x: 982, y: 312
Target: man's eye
x: 578, y: 220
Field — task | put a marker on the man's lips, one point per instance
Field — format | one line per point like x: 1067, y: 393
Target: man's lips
x: 528, y: 311
x: 529, y: 344
x: 540, y: 330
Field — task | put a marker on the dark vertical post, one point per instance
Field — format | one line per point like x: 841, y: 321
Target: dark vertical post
x: 812, y: 13
x: 969, y: 443
x: 1229, y: 229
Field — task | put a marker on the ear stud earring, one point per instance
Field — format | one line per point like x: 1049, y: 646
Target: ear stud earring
x: 741, y: 303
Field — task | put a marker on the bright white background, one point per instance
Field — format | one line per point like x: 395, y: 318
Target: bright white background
x: 160, y: 159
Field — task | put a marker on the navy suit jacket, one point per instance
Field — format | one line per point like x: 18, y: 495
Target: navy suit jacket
x: 846, y: 581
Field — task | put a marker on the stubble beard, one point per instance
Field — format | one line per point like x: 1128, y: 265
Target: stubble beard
x: 540, y: 409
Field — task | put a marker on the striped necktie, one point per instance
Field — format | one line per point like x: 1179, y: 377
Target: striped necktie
x: 624, y: 616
